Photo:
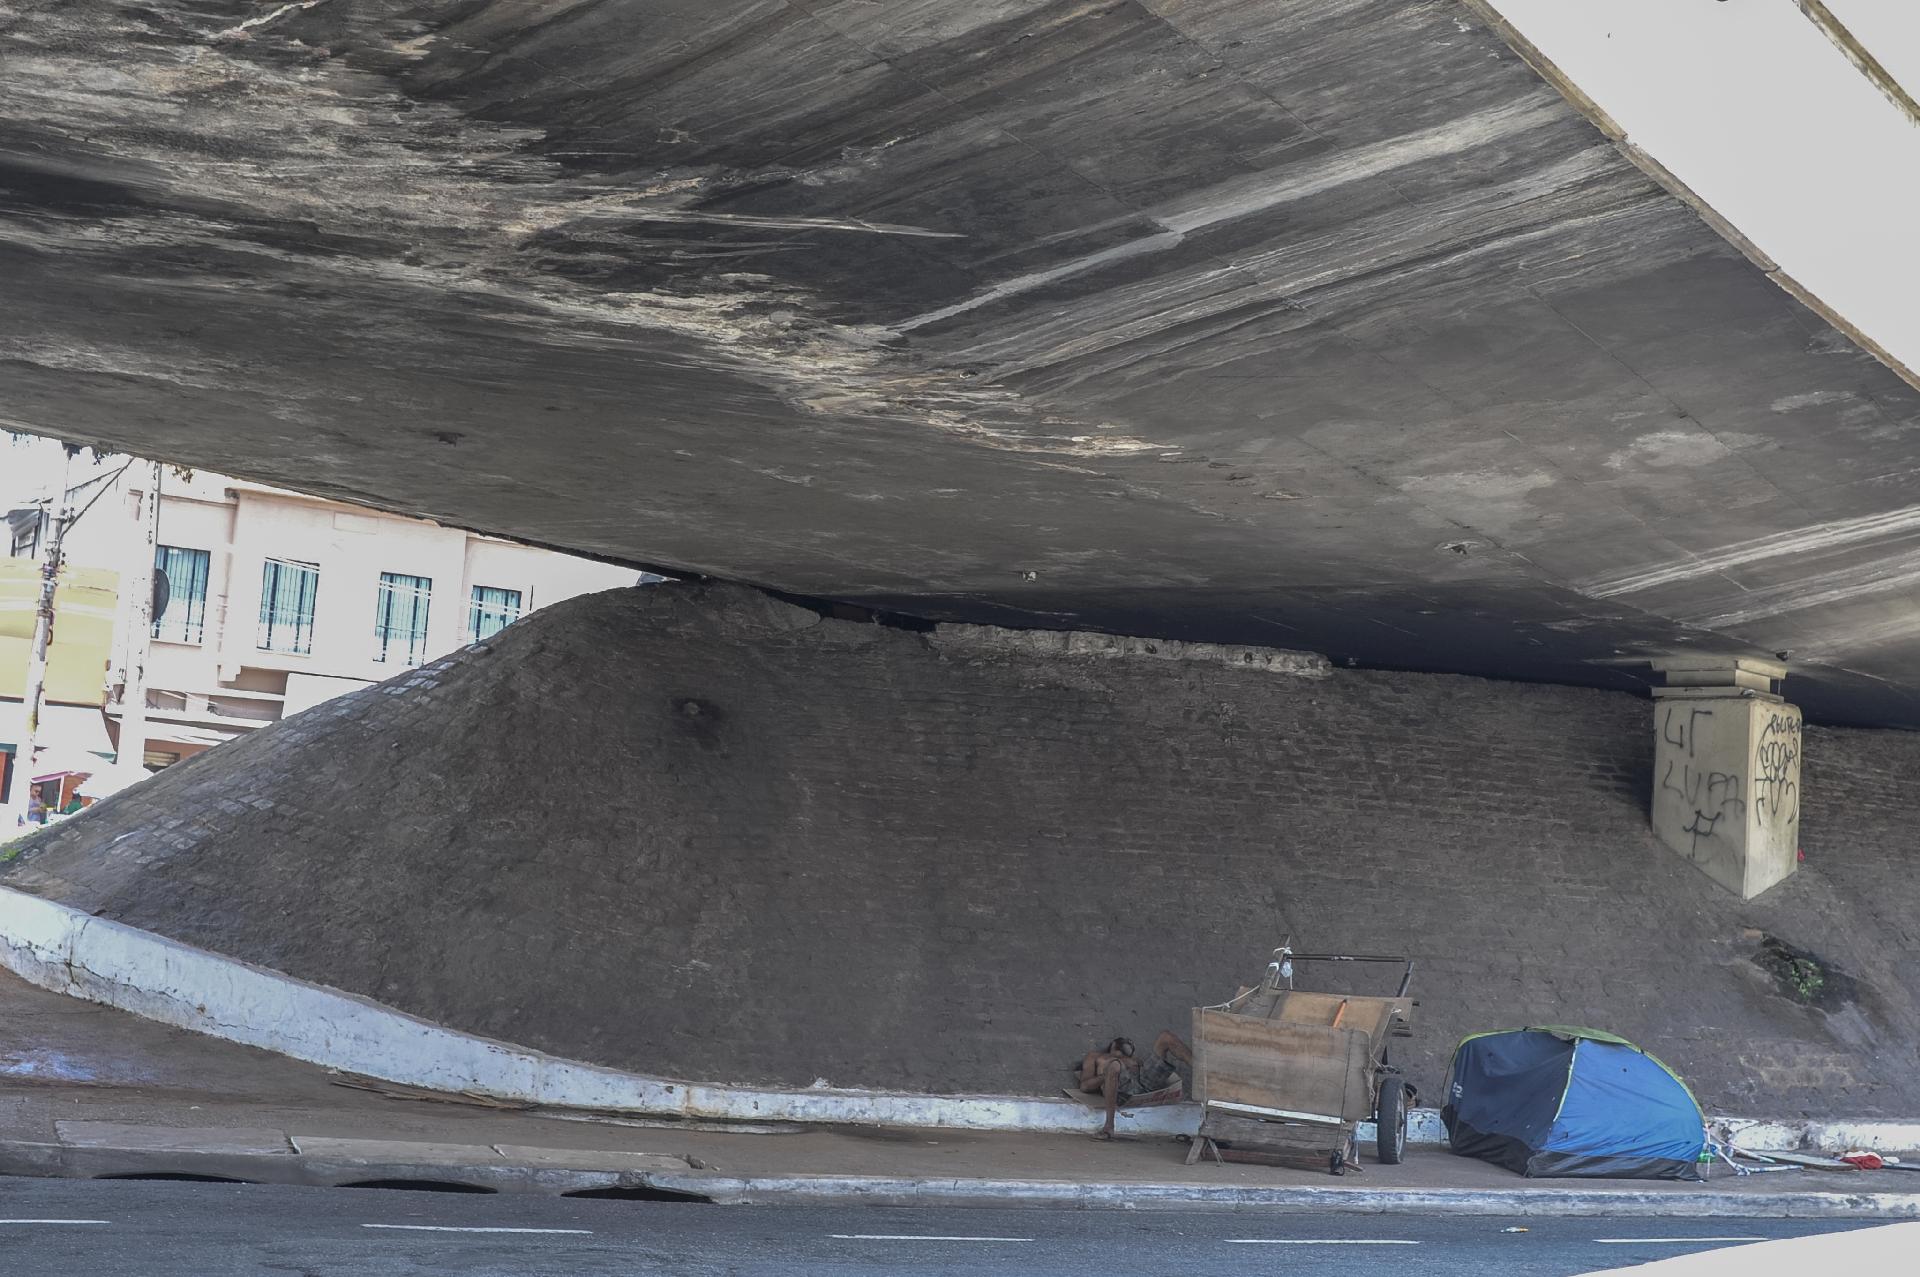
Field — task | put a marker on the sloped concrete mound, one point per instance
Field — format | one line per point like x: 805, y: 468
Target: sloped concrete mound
x: 694, y: 831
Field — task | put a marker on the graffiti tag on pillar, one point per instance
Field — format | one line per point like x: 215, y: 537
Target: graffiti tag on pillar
x: 1776, y: 763
x: 1682, y: 731
x: 1714, y: 796
x: 1700, y: 827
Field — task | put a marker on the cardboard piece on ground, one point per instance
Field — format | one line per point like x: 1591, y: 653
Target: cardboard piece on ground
x: 1165, y: 1095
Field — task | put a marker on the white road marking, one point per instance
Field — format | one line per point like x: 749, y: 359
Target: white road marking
x: 1670, y: 1241
x: 1320, y: 1241
x: 55, y: 1221
x: 448, y: 1228
x: 917, y: 1237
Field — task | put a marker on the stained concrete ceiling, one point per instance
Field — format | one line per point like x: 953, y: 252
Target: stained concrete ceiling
x: 1316, y: 323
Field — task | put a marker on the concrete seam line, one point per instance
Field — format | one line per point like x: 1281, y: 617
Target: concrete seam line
x: 60, y: 948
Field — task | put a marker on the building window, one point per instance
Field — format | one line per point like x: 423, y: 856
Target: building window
x: 185, y: 620
x: 25, y: 526
x: 287, y: 593
x: 492, y: 610
x: 400, y: 618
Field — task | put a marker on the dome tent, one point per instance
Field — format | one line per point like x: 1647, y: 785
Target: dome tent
x: 1555, y: 1100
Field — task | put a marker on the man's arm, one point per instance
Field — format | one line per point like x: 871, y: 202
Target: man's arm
x: 1171, y: 1046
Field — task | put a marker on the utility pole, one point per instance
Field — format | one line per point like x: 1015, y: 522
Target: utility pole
x: 133, y: 692
x: 36, y: 689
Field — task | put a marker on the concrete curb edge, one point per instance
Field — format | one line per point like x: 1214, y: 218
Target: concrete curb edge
x: 42, y: 1160
x: 1559, y: 1200
x: 62, y: 1161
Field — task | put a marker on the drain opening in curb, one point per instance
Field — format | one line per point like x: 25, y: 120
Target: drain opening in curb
x: 639, y: 1193
x: 187, y: 1177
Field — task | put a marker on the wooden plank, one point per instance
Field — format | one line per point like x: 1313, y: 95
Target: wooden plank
x: 1233, y: 1138
x: 1292, y: 1004
x: 1260, y: 1112
x: 1252, y: 1132
x: 1374, y: 1015
x: 1271, y: 1157
x: 1196, y: 1040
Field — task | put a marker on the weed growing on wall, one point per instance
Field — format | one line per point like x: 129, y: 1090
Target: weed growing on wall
x: 1802, y: 975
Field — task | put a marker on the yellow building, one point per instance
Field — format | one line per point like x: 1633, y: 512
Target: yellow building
x: 73, y: 728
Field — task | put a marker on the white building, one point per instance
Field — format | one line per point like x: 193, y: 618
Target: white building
x: 277, y: 601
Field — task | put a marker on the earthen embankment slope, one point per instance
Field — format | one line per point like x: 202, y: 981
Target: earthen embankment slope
x: 694, y: 831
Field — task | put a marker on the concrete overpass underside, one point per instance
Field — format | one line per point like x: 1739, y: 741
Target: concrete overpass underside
x: 1327, y: 325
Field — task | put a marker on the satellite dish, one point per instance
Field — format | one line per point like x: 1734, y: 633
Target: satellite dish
x: 162, y: 593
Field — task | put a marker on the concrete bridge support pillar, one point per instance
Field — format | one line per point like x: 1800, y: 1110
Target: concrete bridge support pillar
x: 1726, y: 771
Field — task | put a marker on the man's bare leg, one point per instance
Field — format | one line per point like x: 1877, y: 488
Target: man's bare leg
x: 1110, y: 1088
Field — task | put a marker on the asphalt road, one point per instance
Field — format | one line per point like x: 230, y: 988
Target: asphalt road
x: 160, y: 1229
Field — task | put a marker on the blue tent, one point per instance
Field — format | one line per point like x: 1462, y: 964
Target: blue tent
x: 1564, y: 1101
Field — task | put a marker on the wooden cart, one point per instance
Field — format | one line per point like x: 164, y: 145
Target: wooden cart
x: 1285, y: 1075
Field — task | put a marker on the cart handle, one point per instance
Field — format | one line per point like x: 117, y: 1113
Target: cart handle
x: 1406, y: 977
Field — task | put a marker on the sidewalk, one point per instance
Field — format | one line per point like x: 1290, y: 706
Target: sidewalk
x: 86, y: 1091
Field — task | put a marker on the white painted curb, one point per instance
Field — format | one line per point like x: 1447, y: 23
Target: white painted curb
x: 60, y: 948
x: 1836, y: 1135
x: 67, y: 951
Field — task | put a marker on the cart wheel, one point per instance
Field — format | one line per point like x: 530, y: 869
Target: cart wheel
x: 1337, y: 1164
x: 1390, y: 1122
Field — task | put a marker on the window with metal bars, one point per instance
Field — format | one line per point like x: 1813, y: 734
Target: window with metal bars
x: 288, y: 591
x: 185, y: 620
x: 400, y: 618
x: 491, y: 611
